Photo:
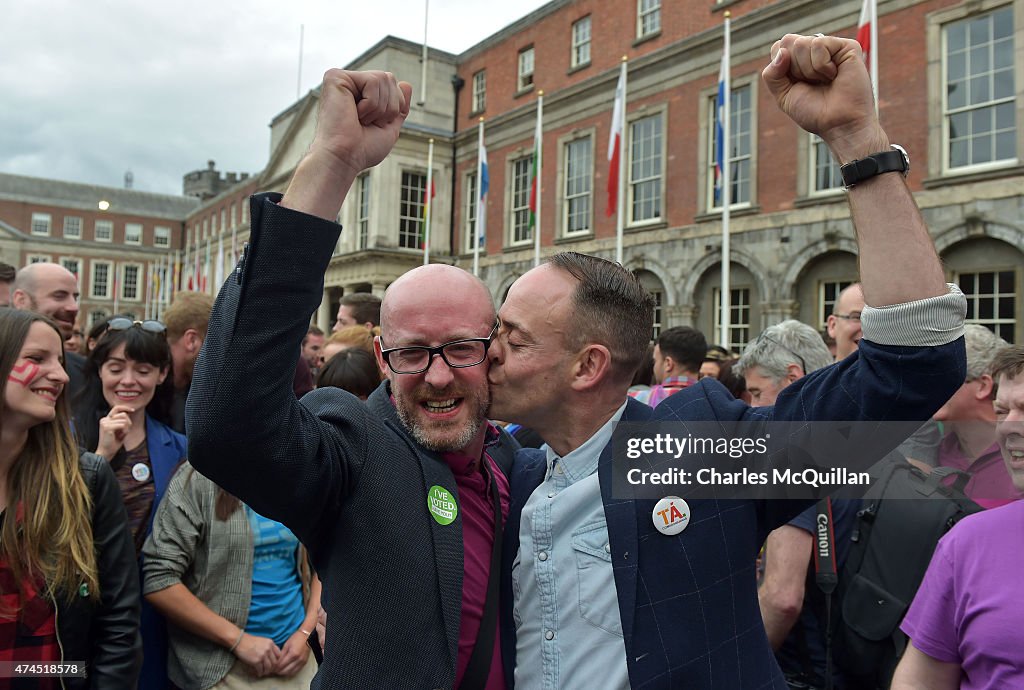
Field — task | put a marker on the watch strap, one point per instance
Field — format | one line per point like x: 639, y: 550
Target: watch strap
x: 865, y: 168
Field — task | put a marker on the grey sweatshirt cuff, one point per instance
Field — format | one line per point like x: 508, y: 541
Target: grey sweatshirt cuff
x: 922, y: 323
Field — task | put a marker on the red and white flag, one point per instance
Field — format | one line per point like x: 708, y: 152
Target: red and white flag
x: 615, y: 144
x: 867, y: 36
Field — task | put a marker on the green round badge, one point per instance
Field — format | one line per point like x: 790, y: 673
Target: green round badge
x: 442, y: 505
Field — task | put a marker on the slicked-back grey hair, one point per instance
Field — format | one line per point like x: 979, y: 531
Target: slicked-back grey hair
x: 982, y: 347
x: 784, y: 344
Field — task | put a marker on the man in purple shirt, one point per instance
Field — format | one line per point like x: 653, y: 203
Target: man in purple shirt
x: 969, y: 420
x: 964, y: 623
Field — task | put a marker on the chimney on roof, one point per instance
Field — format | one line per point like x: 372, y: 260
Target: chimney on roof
x: 243, y: 176
x: 211, y: 165
x: 232, y: 178
x: 129, y: 179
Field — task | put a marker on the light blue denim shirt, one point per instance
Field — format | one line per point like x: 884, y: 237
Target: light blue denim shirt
x: 568, y: 632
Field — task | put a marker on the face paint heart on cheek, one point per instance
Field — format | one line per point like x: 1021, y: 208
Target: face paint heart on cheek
x: 24, y: 374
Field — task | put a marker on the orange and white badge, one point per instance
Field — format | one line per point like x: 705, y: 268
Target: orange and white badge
x: 671, y: 515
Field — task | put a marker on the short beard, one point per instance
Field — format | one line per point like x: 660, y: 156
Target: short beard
x: 429, y: 440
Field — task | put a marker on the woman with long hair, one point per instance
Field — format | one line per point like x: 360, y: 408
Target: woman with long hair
x: 68, y: 591
x: 119, y: 418
x: 236, y: 588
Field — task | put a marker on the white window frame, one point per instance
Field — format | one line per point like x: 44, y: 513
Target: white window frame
x: 735, y: 115
x: 472, y: 204
x: 133, y: 228
x: 41, y: 225
x: 223, y: 219
x: 479, y: 91
x: 520, y: 171
x: 140, y: 282
x: 408, y: 203
x: 363, y: 212
x: 581, y: 33
x: 828, y: 294
x: 648, y: 18
x: 161, y: 236
x: 77, y: 270
x: 108, y: 226
x: 525, y: 61
x: 739, y: 298
x: 245, y: 210
x: 815, y: 148
x: 578, y: 187
x: 234, y: 214
x: 1007, y: 104
x: 38, y: 259
x: 75, y: 224
x: 655, y: 175
x: 109, y: 279
x: 974, y: 297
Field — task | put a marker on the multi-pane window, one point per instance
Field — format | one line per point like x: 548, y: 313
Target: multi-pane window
x: 472, y: 203
x: 73, y: 265
x: 41, y: 224
x: 96, y: 316
x: 130, y: 279
x: 206, y: 229
x: 104, y: 230
x: 577, y: 173
x: 659, y: 300
x: 525, y: 68
x: 480, y: 91
x: 245, y: 211
x: 581, y: 42
x: 363, y: 212
x: 100, y: 286
x: 824, y: 169
x: 234, y: 214
x: 739, y: 317
x: 161, y: 236
x: 223, y: 220
x: 992, y: 300
x: 521, y: 230
x: 38, y: 259
x: 132, y: 233
x: 72, y: 227
x: 828, y: 293
x: 648, y: 17
x: 410, y: 218
x: 645, y: 168
x: 979, y: 100
x: 739, y: 150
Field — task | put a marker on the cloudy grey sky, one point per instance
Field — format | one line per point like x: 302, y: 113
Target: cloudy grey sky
x: 92, y: 88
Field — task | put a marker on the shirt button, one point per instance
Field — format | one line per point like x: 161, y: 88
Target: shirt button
x: 549, y: 635
x: 551, y: 495
x: 607, y: 548
x: 543, y: 555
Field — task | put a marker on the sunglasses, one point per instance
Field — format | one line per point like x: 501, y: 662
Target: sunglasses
x: 149, y: 326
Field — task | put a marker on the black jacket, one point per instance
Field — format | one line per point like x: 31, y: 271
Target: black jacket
x: 104, y: 634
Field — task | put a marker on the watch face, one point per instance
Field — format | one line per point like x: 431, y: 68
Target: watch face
x: 906, y: 158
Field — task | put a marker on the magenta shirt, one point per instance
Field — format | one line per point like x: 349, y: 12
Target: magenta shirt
x: 990, y: 486
x: 477, y: 509
x: 969, y: 607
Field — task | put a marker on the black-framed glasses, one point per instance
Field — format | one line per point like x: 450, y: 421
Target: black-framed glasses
x: 149, y: 325
x: 852, y: 316
x: 773, y: 341
x: 458, y: 354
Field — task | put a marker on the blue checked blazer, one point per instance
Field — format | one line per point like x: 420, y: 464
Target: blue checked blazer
x: 688, y: 603
x: 344, y: 476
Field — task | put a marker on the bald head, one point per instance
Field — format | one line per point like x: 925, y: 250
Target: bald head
x: 438, y: 290
x: 844, y: 322
x: 48, y: 289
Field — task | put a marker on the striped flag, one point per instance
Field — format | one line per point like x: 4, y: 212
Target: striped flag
x: 538, y: 146
x: 426, y: 213
x: 720, y: 116
x: 615, y: 143
x: 485, y: 184
x: 867, y: 36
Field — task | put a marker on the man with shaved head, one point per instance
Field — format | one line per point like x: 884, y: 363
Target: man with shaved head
x: 52, y: 290
x: 399, y: 499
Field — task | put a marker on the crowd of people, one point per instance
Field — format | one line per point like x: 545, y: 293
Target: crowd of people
x: 344, y: 513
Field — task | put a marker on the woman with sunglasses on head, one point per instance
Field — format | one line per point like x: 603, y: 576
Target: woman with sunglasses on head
x: 68, y: 593
x: 119, y: 418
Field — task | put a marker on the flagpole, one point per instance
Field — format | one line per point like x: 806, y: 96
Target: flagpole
x: 620, y: 221
x: 426, y: 196
x: 423, y: 60
x: 540, y: 169
x: 480, y: 208
x: 726, y: 190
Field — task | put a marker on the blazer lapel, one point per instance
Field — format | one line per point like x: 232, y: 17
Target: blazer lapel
x: 447, y: 539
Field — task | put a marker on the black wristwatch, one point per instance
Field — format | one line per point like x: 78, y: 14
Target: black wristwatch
x: 893, y: 160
